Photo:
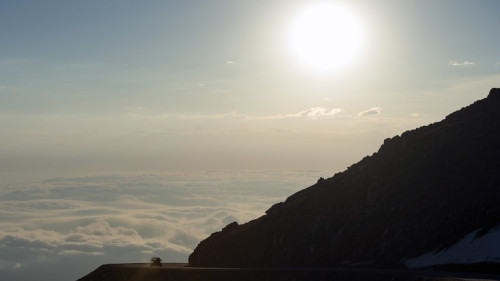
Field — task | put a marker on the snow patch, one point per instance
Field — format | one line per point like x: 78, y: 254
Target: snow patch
x: 468, y: 250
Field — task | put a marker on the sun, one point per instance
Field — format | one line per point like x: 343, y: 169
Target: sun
x: 326, y: 36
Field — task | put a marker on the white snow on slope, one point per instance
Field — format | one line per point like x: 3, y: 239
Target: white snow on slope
x: 468, y: 250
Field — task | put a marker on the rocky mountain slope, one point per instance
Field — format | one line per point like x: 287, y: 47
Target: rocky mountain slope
x: 422, y: 191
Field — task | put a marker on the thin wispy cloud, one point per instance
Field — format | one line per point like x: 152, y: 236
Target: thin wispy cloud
x: 374, y: 111
x: 230, y: 115
x: 317, y: 113
x: 313, y: 113
x: 4, y: 88
x: 459, y: 63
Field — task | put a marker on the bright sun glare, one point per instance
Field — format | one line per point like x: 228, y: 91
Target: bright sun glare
x: 326, y: 37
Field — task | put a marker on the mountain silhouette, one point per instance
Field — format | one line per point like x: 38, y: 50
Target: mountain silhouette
x: 420, y: 192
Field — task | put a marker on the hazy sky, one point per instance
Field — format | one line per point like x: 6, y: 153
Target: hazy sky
x: 154, y: 92
x: 92, y: 87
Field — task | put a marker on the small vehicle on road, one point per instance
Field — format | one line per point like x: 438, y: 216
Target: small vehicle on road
x: 155, y: 261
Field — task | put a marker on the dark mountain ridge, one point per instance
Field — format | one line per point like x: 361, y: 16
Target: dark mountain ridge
x: 422, y: 191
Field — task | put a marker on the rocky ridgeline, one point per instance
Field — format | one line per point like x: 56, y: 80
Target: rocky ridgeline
x: 422, y: 191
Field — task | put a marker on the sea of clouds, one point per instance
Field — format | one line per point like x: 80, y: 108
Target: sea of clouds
x: 63, y: 228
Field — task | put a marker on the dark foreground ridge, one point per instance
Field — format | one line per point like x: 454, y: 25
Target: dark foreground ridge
x: 178, y: 272
x: 422, y: 191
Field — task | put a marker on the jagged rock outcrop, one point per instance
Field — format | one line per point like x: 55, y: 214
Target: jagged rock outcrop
x: 422, y: 191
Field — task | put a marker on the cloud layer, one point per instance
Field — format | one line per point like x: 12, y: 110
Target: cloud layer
x: 85, y: 222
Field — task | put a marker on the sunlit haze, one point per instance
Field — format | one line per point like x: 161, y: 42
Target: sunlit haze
x: 91, y: 88
x: 113, y: 106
